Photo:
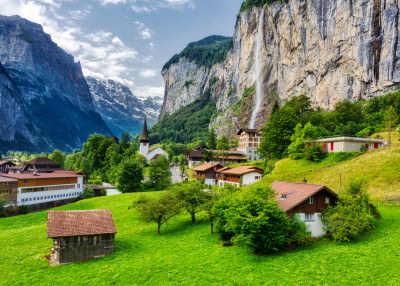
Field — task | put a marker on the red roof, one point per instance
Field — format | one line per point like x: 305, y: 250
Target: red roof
x: 41, y: 175
x: 295, y: 193
x: 206, y: 166
x: 73, y: 223
x: 242, y: 170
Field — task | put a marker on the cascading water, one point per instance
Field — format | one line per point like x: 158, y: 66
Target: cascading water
x: 258, y: 72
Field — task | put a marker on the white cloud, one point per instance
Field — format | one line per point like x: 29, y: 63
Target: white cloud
x: 105, y: 2
x: 148, y: 91
x: 144, y: 32
x: 146, y: 6
x: 139, y: 9
x: 148, y: 73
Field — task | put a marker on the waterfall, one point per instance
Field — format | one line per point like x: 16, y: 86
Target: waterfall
x: 258, y: 72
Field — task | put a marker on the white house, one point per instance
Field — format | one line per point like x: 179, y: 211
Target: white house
x: 144, y: 150
x: 350, y: 144
x: 305, y: 200
x: 240, y: 176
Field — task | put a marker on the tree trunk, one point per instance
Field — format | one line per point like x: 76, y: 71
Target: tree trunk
x: 158, y: 229
x: 193, y: 217
x: 212, y: 227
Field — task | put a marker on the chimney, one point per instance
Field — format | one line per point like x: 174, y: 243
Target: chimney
x: 304, y: 181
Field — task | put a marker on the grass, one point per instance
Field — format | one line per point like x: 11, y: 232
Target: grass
x: 186, y: 253
x: 380, y: 168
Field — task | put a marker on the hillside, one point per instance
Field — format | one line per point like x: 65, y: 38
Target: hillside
x: 187, y: 254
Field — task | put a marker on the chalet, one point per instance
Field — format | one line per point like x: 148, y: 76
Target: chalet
x: 153, y: 153
x: 9, y: 187
x: 240, y: 176
x: 195, y: 156
x: 80, y: 235
x: 305, y: 200
x: 249, y: 141
x: 4, y: 166
x: 42, y: 190
x: 11, y: 159
x: 37, y: 165
x: 208, y: 172
x: 350, y: 144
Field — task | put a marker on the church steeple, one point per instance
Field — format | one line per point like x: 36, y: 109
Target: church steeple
x: 144, y: 138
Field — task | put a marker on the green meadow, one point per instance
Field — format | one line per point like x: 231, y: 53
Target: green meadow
x: 186, y: 254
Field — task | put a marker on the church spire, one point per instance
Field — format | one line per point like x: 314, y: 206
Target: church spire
x: 145, y: 135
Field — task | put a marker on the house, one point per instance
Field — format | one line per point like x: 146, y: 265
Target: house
x: 9, y: 187
x: 153, y: 153
x: 208, y: 172
x: 305, y: 200
x: 350, y: 144
x: 240, y: 176
x: 11, y: 159
x: 195, y: 156
x: 4, y: 166
x: 80, y: 235
x: 43, y: 190
x: 37, y: 165
x: 249, y: 141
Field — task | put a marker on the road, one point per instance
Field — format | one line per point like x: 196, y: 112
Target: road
x: 176, y: 175
x: 111, y: 192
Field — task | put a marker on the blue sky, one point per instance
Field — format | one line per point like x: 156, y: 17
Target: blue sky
x: 127, y: 40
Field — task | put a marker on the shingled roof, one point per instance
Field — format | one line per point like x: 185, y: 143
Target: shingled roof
x: 242, y: 170
x: 291, y: 194
x: 145, y: 135
x: 206, y: 167
x: 73, y: 223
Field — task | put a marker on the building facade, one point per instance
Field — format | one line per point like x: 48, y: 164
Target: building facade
x: 208, y: 172
x: 9, y: 188
x: 46, y: 189
x: 249, y: 141
x: 350, y: 144
x: 307, y: 201
x: 5, y: 166
x: 149, y: 154
x: 80, y: 235
x: 240, y: 176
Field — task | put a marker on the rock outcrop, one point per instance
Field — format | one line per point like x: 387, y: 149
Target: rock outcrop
x: 57, y: 97
x: 120, y: 108
x: 328, y: 50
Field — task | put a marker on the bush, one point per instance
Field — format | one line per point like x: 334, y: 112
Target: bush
x: 333, y: 158
x: 296, y: 156
x: 314, y: 152
x: 299, y: 233
x: 87, y: 194
x: 103, y: 193
x: 98, y: 182
x: 24, y: 209
x: 363, y: 148
x: 90, y: 182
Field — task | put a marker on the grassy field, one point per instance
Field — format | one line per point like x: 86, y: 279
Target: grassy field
x: 187, y: 254
x: 380, y: 168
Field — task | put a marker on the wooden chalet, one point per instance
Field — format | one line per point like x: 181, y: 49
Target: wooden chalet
x: 9, y: 188
x: 307, y: 201
x: 37, y: 165
x: 208, y: 172
x: 5, y: 166
x: 240, y: 176
x: 80, y: 235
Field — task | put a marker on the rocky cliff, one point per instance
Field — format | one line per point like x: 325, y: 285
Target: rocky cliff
x: 120, y: 108
x: 328, y: 50
x: 52, y: 86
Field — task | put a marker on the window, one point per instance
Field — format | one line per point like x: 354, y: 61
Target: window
x: 309, y: 217
x: 257, y: 177
x: 311, y: 200
x: 327, y: 200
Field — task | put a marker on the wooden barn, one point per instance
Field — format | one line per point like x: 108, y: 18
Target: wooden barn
x: 80, y: 235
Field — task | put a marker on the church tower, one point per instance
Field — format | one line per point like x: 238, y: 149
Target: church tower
x: 144, y: 140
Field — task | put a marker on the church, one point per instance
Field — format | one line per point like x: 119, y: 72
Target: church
x: 153, y: 153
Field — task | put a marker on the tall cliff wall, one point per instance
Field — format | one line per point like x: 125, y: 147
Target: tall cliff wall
x: 329, y: 50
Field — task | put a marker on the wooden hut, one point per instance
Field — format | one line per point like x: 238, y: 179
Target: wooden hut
x: 80, y: 235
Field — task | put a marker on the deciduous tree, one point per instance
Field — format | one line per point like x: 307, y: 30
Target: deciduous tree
x: 130, y: 176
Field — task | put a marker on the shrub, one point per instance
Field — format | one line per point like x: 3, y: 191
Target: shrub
x: 103, y: 193
x: 87, y: 194
x: 314, y: 152
x: 90, y: 182
x: 98, y: 182
x: 24, y: 209
x: 296, y: 156
x: 299, y: 233
x: 363, y: 148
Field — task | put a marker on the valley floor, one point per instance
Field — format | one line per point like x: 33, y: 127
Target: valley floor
x: 187, y: 254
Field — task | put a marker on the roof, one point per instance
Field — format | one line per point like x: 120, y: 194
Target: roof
x: 17, y: 167
x: 247, y: 131
x: 69, y: 172
x: 145, y: 134
x: 155, y: 157
x: 223, y: 169
x: 206, y: 166
x: 242, y: 170
x: 296, y: 193
x: 353, y: 139
x: 4, y: 162
x: 41, y: 161
x: 193, y: 153
x: 41, y: 175
x: 73, y: 223
x: 4, y: 179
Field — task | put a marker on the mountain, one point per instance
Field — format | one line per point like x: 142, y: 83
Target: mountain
x: 328, y: 50
x: 120, y: 108
x: 51, y: 85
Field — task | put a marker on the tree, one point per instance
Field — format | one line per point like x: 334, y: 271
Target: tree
x: 300, y: 104
x: 277, y: 132
x: 158, y: 209
x: 3, y: 204
x: 301, y: 137
x: 212, y: 139
x: 125, y: 141
x: 353, y: 214
x: 58, y: 157
x: 223, y: 143
x: 160, y: 173
x: 391, y: 119
x: 192, y: 196
x: 182, y: 165
x: 130, y: 176
x: 208, y: 155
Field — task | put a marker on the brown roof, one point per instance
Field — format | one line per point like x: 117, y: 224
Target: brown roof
x: 4, y: 179
x: 247, y: 131
x: 295, y: 193
x: 206, y: 167
x: 41, y: 161
x: 19, y: 166
x: 242, y: 170
x: 193, y: 153
x: 69, y: 172
x: 223, y: 169
x: 145, y: 135
x: 73, y: 223
x: 4, y: 162
x: 41, y: 175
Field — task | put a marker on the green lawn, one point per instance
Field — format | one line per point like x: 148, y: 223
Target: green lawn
x: 188, y: 254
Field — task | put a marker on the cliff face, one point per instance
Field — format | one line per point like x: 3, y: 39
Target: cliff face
x: 51, y: 84
x: 120, y: 108
x: 328, y: 50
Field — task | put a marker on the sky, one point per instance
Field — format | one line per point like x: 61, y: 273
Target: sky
x: 127, y: 40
